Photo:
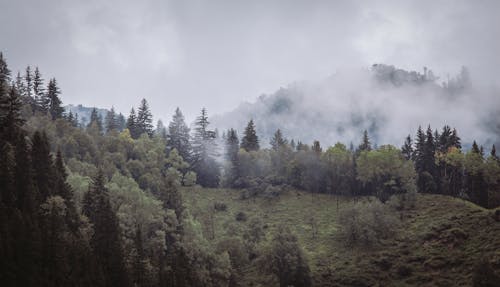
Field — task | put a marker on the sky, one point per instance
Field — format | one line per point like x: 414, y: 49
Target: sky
x: 217, y: 54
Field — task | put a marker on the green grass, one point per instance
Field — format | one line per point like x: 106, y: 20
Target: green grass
x: 438, y: 243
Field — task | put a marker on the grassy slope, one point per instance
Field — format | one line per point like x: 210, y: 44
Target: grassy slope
x: 438, y: 243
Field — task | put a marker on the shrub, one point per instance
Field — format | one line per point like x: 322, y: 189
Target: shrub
x: 241, y: 216
x: 220, y: 206
x: 366, y: 223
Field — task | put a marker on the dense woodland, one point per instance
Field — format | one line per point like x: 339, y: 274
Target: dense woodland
x: 99, y: 204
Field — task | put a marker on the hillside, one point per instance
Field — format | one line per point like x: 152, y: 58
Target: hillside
x: 438, y: 243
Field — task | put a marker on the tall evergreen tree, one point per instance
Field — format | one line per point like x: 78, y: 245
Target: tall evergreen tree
x: 121, y: 122
x: 132, y: 125
x: 250, y: 140
x: 95, y: 123
x: 111, y: 123
x: 178, y: 135
x: 106, y: 242
x: 278, y: 141
x: 10, y: 114
x: 232, y: 148
x: 42, y: 165
x: 42, y: 100
x: 145, y: 119
x: 407, y: 148
x: 365, y: 143
x: 53, y: 92
x: 161, y: 130
x: 28, y: 83
x: 204, y: 151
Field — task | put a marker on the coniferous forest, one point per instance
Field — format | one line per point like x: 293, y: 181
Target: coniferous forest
x: 116, y: 201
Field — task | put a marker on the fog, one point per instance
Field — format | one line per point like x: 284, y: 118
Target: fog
x: 218, y: 54
x: 342, y: 106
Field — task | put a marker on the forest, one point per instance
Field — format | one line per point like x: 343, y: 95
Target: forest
x: 120, y: 201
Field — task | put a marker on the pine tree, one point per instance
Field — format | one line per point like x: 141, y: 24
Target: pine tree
x: 178, y: 135
x: 53, y: 92
x: 161, y: 130
x: 121, y: 122
x: 28, y: 84
x: 10, y: 114
x: 493, y: 152
x: 95, y: 123
x: 42, y: 165
x: 278, y: 141
x: 250, y: 140
x: 145, y: 119
x: 475, y: 148
x: 111, y: 121
x: 365, y: 143
x: 105, y: 241
x: 204, y: 152
x: 232, y: 148
x: 42, y: 100
x: 419, y: 150
x: 132, y: 125
x: 407, y: 148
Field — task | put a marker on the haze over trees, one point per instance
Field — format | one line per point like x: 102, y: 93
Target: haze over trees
x: 110, y: 193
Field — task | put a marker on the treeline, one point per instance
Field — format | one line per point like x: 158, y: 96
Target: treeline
x: 434, y: 163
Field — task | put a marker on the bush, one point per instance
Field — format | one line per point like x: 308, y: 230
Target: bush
x: 366, y: 223
x: 404, y: 201
x: 241, y: 216
x: 220, y: 206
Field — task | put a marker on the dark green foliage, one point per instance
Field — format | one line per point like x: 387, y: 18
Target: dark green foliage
x: 178, y: 135
x: 285, y: 259
x: 144, y: 119
x: 111, y: 122
x: 232, y: 148
x: 55, y: 109
x: 42, y: 165
x: 250, y: 140
x: 407, y: 148
x: 95, y: 124
x: 204, y: 149
x: 132, y: 125
x: 105, y: 241
x: 365, y: 143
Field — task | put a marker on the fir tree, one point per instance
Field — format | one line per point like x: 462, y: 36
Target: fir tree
x: 42, y: 100
x: 121, y: 122
x: 278, y: 141
x: 365, y: 143
x: 204, y: 152
x: 105, y: 240
x: 250, y: 140
x: 95, y: 123
x: 232, y: 148
x: 111, y: 121
x: 53, y: 92
x: 161, y: 130
x: 10, y: 114
x: 178, y: 135
x: 42, y: 165
x: 132, y: 125
x: 145, y: 119
x: 407, y: 148
x: 28, y: 83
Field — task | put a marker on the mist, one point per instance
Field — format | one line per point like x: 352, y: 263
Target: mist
x: 339, y: 108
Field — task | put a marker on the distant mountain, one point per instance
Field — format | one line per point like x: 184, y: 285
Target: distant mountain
x: 84, y: 112
x: 387, y: 101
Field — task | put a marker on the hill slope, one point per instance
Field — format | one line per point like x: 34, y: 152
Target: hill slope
x: 438, y: 243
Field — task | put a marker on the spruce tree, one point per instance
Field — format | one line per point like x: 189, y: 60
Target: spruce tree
x: 28, y: 83
x: 10, y: 114
x: 111, y: 123
x: 41, y: 99
x: 278, y: 141
x: 42, y: 165
x: 55, y: 109
x: 365, y: 143
x: 232, y: 148
x: 204, y: 152
x: 121, y: 122
x: 250, y: 140
x: 132, y: 125
x: 95, y: 123
x: 161, y: 130
x: 106, y: 242
x: 407, y: 148
x: 145, y: 119
x: 178, y: 135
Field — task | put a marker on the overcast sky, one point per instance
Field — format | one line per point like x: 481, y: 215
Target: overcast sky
x: 219, y: 53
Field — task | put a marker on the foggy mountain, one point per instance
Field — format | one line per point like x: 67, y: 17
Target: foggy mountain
x: 387, y: 101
